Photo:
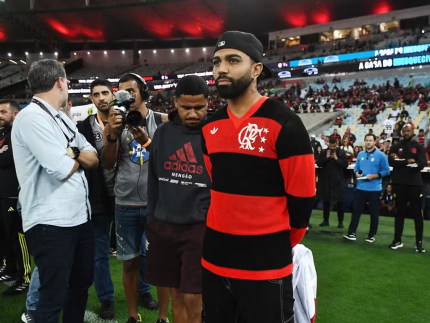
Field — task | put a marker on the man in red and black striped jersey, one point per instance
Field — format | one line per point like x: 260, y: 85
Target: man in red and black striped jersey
x: 260, y: 160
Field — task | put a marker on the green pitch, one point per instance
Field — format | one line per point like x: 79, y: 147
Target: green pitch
x: 358, y: 282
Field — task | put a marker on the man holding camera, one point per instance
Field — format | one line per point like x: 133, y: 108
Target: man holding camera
x: 127, y: 146
x: 49, y: 155
x: 333, y: 162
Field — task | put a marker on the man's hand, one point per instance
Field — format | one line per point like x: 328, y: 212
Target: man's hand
x: 114, y: 123
x: 328, y: 154
x: 411, y: 161
x: 70, y: 153
x: 139, y: 135
x: 4, y: 148
x: 334, y: 156
x: 357, y: 175
x: 390, y: 208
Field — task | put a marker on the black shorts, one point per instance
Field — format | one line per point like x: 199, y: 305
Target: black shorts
x: 174, y: 256
x: 229, y: 300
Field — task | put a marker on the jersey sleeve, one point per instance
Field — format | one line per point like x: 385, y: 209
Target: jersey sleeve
x: 298, y: 169
x: 206, y: 157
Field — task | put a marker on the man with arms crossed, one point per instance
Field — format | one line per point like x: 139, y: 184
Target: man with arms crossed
x: 49, y: 154
x: 260, y: 160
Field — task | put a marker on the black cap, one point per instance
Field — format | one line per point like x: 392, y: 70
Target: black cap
x: 247, y: 43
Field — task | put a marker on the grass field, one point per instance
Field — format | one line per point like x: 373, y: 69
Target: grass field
x: 357, y: 282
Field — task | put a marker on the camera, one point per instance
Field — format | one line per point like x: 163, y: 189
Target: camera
x: 131, y: 118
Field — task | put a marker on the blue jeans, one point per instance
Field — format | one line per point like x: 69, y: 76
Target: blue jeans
x: 130, y: 226
x: 144, y: 287
x: 33, y: 291
x: 102, y: 277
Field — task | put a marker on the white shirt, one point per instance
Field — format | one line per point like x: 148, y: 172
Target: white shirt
x: 388, y: 126
x: 40, y: 155
x: 394, y: 113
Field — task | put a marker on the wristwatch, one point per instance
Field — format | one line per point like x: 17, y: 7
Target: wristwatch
x: 109, y: 139
x: 76, y: 151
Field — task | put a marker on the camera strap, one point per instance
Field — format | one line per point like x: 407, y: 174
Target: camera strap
x: 42, y: 106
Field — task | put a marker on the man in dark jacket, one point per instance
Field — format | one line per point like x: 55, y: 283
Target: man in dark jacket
x: 13, y: 244
x: 333, y: 162
x: 101, y: 196
x: 178, y: 201
x: 407, y: 158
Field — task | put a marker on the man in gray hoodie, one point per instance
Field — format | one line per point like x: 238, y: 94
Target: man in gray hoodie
x: 178, y: 202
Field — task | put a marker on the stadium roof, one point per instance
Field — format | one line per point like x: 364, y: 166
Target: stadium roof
x: 72, y: 21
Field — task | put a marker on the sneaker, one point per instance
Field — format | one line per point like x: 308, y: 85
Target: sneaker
x: 419, y: 247
x: 324, y: 224
x: 162, y: 321
x: 7, y: 277
x: 17, y: 288
x: 2, y: 269
x: 340, y: 225
x: 112, y: 252
x: 133, y: 320
x: 370, y: 239
x: 350, y: 236
x: 146, y: 301
x: 107, y: 310
x: 396, y: 245
x: 28, y: 316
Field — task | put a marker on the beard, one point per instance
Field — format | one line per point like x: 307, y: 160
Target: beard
x: 5, y: 124
x: 235, y: 89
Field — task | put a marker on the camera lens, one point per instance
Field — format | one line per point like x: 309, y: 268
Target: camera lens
x: 134, y: 118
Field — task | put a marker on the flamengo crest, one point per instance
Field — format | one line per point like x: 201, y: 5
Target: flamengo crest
x: 248, y: 135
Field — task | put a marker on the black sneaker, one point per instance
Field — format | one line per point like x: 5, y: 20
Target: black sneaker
x: 396, y: 245
x: 162, y: 321
x: 146, y: 301
x: 28, y: 316
x: 7, y: 277
x: 17, y: 288
x: 107, y: 310
x: 350, y: 236
x: 370, y: 239
x: 340, y: 225
x: 419, y: 247
x: 133, y: 320
x: 324, y: 224
x: 2, y: 270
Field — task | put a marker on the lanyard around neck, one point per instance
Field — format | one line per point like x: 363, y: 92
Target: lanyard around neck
x: 42, y: 106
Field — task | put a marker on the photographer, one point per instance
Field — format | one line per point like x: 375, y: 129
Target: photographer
x: 333, y: 162
x: 128, y: 147
x: 49, y: 155
x: 12, y: 239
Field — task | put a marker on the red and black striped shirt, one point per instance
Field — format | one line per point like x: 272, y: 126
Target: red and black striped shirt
x: 263, y: 186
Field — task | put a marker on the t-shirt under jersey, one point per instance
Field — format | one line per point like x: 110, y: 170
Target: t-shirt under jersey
x: 263, y: 183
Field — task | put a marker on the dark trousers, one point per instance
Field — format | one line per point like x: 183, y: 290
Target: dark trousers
x: 65, y: 259
x: 326, y: 210
x: 13, y: 240
x: 360, y: 200
x: 413, y: 195
x: 229, y: 300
